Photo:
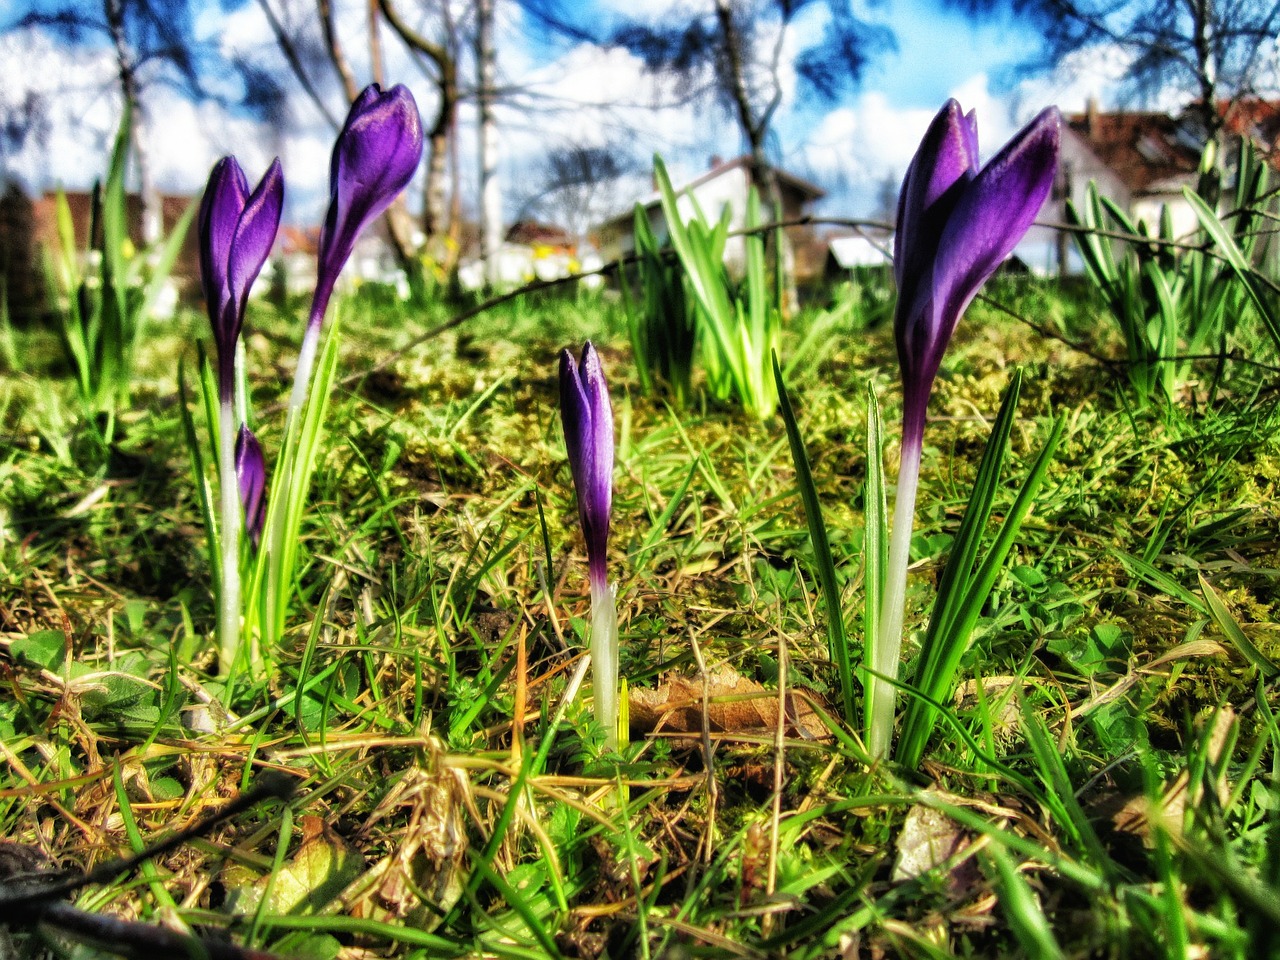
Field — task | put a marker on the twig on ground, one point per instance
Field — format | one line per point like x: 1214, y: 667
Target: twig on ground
x: 708, y: 758
x: 779, y: 760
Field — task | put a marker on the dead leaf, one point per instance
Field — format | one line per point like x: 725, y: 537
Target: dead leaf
x: 428, y: 858
x: 928, y: 839
x: 1138, y: 813
x: 995, y: 691
x: 736, y: 705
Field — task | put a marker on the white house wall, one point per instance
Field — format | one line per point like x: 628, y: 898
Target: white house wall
x: 712, y: 195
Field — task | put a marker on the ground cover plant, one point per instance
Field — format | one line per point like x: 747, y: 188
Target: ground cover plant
x: 1101, y: 780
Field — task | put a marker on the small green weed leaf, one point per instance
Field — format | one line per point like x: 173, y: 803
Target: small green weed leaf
x: 8, y: 714
x: 135, y: 612
x: 1106, y: 645
x: 1117, y: 727
x: 1029, y: 577
x: 563, y: 826
x: 166, y: 788
x: 323, y: 866
x: 307, y: 946
x: 45, y: 649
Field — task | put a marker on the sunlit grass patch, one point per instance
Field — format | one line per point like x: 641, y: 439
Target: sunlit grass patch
x: 439, y: 623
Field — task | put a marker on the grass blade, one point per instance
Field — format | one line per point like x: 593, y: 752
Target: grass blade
x: 837, y: 639
x: 1231, y: 630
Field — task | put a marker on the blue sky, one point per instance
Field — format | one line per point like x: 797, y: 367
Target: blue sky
x: 851, y: 148
x: 939, y: 49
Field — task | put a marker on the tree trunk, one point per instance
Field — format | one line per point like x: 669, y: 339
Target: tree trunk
x: 435, y: 218
x: 756, y: 130
x: 490, y: 187
x: 152, y: 227
x: 336, y: 56
x: 1206, y: 66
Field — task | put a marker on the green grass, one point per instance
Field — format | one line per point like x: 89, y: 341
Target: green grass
x: 448, y: 807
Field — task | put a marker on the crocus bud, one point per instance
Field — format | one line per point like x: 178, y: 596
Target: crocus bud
x: 374, y: 157
x: 251, y: 477
x: 237, y: 230
x: 588, y: 433
x: 956, y: 224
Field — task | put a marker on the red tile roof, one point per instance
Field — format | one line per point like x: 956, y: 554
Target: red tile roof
x: 1254, y: 118
x: 1144, y: 149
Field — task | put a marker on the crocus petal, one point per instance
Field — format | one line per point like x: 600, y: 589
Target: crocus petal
x: 374, y: 157
x: 587, y: 415
x: 367, y: 98
x: 220, y: 209
x: 251, y: 478
x: 991, y: 218
x: 947, y: 158
x: 599, y: 473
x: 255, y: 234
x: 575, y: 414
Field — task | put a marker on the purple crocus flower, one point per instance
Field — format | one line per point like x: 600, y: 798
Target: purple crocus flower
x: 237, y: 230
x: 588, y: 434
x: 956, y: 225
x: 373, y: 159
x: 251, y: 479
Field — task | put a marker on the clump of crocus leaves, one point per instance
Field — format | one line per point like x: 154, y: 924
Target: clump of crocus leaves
x: 587, y: 416
x: 373, y: 159
x: 956, y: 225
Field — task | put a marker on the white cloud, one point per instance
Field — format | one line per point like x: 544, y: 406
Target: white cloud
x: 862, y: 145
x: 1094, y: 72
x: 79, y: 102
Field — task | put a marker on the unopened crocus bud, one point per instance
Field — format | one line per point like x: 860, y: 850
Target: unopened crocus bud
x: 237, y: 230
x: 373, y: 159
x: 588, y: 434
x: 251, y: 478
x: 956, y: 225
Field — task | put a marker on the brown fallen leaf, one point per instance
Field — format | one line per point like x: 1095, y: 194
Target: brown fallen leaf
x: 736, y: 705
x: 1137, y: 815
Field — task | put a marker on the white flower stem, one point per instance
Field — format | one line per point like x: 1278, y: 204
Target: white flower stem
x: 604, y: 658
x: 229, y: 610
x: 302, y: 376
x: 242, y: 386
x: 888, y: 646
x: 274, y: 545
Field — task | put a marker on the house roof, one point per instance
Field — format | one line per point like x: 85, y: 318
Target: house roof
x: 80, y: 204
x: 1146, y: 150
x: 293, y: 239
x: 534, y: 233
x: 799, y: 184
x: 1252, y: 117
x: 810, y: 191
